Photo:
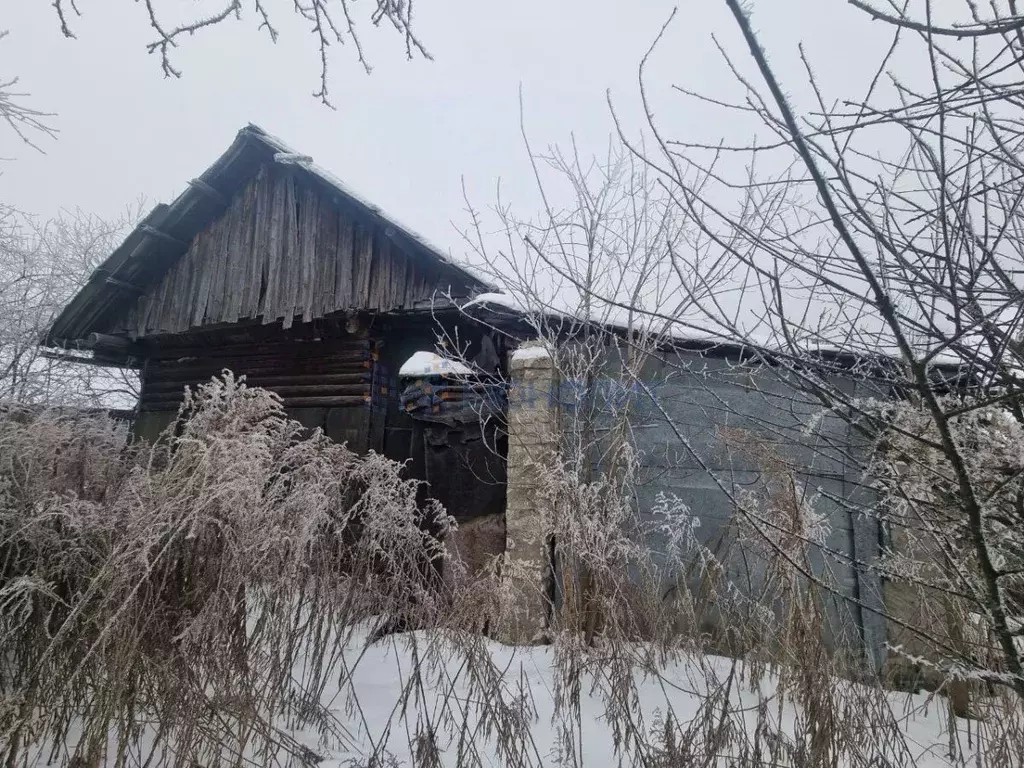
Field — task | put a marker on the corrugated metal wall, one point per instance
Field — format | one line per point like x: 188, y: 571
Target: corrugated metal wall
x: 679, y: 432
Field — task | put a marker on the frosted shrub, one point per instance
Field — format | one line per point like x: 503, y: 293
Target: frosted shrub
x: 179, y: 601
x: 950, y: 561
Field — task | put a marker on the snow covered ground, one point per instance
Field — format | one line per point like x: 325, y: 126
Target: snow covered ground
x: 384, y: 719
x: 682, y: 688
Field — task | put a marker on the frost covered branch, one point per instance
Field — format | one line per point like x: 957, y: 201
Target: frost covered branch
x: 42, y: 264
x: 26, y: 122
x: 331, y: 22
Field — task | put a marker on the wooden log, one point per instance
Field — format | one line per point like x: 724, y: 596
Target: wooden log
x: 252, y: 374
x: 302, y: 390
x: 209, y: 191
x: 163, y: 397
x: 158, y: 407
x: 323, y: 402
x: 340, y: 356
x: 106, y: 341
x: 308, y: 371
x: 294, y: 402
x: 285, y: 348
x: 299, y: 351
x: 169, y: 386
x: 154, y: 395
x: 161, y: 235
x: 353, y: 356
x: 269, y: 381
x: 101, y: 362
x: 111, y: 280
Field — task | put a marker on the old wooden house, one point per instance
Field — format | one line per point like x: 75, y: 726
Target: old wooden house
x: 269, y: 266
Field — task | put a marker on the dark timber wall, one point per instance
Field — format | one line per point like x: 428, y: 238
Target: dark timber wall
x: 305, y: 374
x: 345, y: 384
x: 284, y: 251
x: 328, y: 384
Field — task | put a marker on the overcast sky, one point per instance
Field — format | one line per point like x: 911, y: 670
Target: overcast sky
x: 403, y: 136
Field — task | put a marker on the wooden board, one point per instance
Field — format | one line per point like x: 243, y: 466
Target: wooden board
x: 282, y: 251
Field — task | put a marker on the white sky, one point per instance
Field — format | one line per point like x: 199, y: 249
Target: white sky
x: 405, y: 135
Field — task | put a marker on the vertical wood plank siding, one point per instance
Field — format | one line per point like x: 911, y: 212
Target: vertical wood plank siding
x: 282, y: 251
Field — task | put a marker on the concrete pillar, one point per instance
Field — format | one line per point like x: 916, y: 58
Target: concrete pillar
x: 532, y: 445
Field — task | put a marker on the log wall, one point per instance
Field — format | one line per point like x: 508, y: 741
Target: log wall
x: 315, y: 374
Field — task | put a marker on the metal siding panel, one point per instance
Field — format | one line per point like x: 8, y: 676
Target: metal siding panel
x: 697, y: 397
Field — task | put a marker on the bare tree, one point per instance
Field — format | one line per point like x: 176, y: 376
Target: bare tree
x: 608, y: 280
x: 887, y: 225
x: 332, y: 22
x: 870, y: 240
x: 25, y: 121
x: 42, y: 265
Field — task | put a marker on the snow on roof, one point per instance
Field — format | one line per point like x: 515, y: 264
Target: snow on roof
x: 424, y: 363
x: 499, y: 299
x: 608, y: 316
x: 531, y: 353
x: 683, y: 331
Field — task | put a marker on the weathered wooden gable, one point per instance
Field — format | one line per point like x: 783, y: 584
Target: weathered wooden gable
x: 284, y: 250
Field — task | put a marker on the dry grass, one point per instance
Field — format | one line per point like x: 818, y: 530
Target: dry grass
x: 190, y: 603
x: 180, y: 584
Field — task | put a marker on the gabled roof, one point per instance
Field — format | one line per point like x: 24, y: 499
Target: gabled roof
x: 165, y: 233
